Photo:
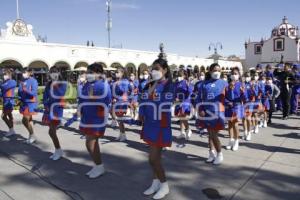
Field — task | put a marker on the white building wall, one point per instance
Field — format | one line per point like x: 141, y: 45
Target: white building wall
x: 290, y: 53
x: 252, y: 59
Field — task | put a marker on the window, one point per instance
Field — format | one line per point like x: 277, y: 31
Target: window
x: 257, y: 48
x: 279, y: 44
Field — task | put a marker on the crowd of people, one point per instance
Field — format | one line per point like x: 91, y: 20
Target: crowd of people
x: 215, y: 100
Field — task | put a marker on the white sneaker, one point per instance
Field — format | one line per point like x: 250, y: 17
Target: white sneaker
x: 260, y: 124
x: 219, y: 159
x: 153, y: 188
x: 182, y: 135
x: 211, y: 157
x: 122, y: 137
x: 188, y: 134
x: 114, y: 123
x: 10, y: 133
x: 162, y: 192
x: 58, y: 154
x: 97, y: 171
x: 245, y: 134
x: 230, y: 144
x: 235, y: 145
x: 265, y: 125
x: 31, y: 139
x: 248, y: 138
x: 256, y: 129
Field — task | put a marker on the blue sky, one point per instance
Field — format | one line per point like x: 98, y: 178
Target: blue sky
x: 185, y: 26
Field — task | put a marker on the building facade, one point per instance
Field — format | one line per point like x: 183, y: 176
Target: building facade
x: 282, y: 46
x: 19, y: 48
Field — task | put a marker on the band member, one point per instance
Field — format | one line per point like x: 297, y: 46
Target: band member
x: 144, y: 78
x: 96, y: 96
x: 212, y: 111
x: 234, y: 108
x: 286, y: 80
x: 183, y: 104
x: 80, y: 84
x: 197, y: 98
x: 28, y: 101
x: 53, y: 100
x: 273, y: 92
x: 155, y: 113
x: 8, y: 95
x: 264, y: 101
x: 121, y: 92
x: 134, y: 83
x: 257, y: 106
x: 249, y: 100
x: 295, y: 89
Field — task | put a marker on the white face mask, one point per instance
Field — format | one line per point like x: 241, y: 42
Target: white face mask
x: 90, y: 77
x: 248, y: 79
x: 146, y: 76
x: 216, y: 75
x: 235, y: 77
x: 202, y: 78
x: 54, y: 76
x: 269, y: 82
x: 132, y: 78
x: 156, y: 75
x: 256, y: 78
x: 25, y: 75
x: 141, y: 76
x: 263, y: 81
x: 82, y: 78
x: 6, y: 77
x: 180, y: 78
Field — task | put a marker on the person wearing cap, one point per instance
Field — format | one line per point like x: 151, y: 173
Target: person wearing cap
x: 269, y: 72
x: 53, y: 100
x: 295, y: 89
x: 155, y: 113
x: 96, y: 95
x: 286, y: 80
x: 28, y: 101
x: 272, y: 93
x: 183, y: 104
x: 7, y: 89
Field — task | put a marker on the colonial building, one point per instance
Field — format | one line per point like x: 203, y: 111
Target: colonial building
x: 282, y: 46
x: 19, y: 48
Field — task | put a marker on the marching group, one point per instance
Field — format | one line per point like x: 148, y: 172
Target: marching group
x: 216, y: 101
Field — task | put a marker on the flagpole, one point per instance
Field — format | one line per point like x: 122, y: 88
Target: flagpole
x: 18, y: 13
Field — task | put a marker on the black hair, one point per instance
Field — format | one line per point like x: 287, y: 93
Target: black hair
x: 29, y: 70
x: 96, y: 68
x: 8, y: 71
x: 183, y: 72
x: 124, y: 71
x: 164, y: 64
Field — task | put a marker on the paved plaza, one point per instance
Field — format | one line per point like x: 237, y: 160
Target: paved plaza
x: 267, y: 168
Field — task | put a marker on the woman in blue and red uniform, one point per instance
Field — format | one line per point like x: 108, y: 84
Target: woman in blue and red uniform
x: 27, y: 94
x: 264, y: 101
x: 212, y: 111
x: 257, y: 105
x: 249, y: 99
x: 121, y: 93
x: 183, y: 104
x: 8, y: 95
x: 53, y: 100
x: 134, y: 83
x: 155, y: 113
x: 197, y: 98
x: 96, y: 96
x: 234, y: 111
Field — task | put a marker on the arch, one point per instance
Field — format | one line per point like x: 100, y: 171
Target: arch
x: 80, y: 64
x: 196, y: 69
x: 11, y: 63
x: 130, y: 67
x: 102, y: 63
x: 173, y: 67
x: 202, y: 68
x: 181, y: 66
x: 115, y: 65
x: 38, y: 64
x: 63, y: 65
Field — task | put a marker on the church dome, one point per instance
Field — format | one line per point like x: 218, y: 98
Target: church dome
x: 285, y: 28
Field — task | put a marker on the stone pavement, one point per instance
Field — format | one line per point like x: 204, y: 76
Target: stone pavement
x: 268, y: 167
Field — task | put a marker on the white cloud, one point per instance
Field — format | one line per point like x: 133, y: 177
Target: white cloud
x: 125, y: 6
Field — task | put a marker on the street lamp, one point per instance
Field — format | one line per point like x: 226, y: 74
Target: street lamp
x: 215, y: 46
x: 109, y: 20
